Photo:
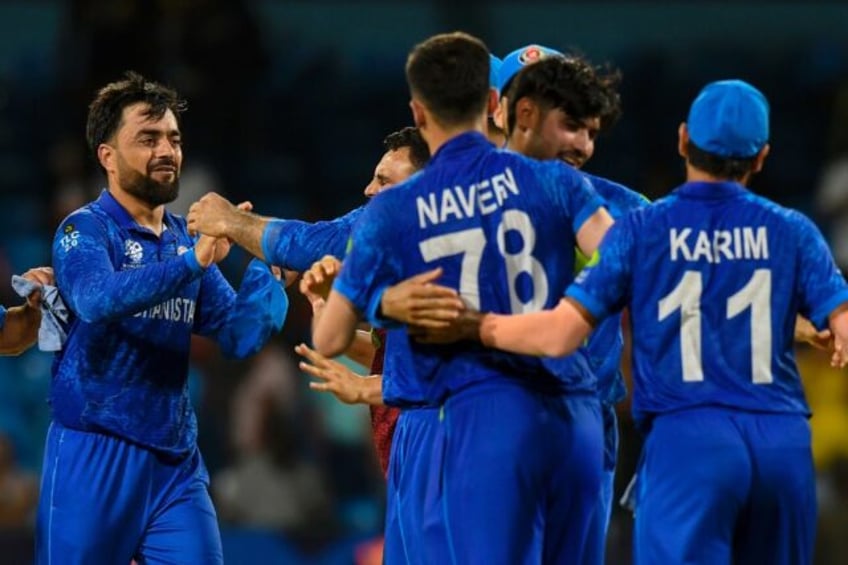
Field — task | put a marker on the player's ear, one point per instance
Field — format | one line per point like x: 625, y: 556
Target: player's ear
x: 106, y: 156
x: 526, y: 113
x: 419, y: 116
x: 760, y: 159
x: 492, y: 104
x: 683, y: 140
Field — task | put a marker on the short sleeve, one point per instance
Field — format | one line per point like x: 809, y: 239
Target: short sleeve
x: 603, y: 286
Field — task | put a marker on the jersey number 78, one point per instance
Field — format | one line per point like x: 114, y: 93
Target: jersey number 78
x: 471, y: 242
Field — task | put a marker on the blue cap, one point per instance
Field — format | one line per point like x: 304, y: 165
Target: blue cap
x: 520, y: 58
x: 729, y: 118
x: 494, y: 70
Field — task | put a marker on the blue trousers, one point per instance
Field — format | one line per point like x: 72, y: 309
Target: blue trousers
x: 515, y: 477
x: 105, y: 500
x: 723, y: 486
x: 408, y: 477
x: 599, y: 526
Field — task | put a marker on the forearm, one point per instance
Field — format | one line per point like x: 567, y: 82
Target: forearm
x: 371, y: 391
x: 20, y: 329
x: 246, y: 229
x: 258, y: 310
x: 98, y: 295
x: 296, y: 245
x: 333, y: 330
x: 550, y: 333
x: 362, y: 349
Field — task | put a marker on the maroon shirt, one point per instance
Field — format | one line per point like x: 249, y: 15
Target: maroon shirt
x: 383, y: 418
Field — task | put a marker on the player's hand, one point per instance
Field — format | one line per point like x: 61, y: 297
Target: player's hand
x: 839, y: 357
x: 224, y: 245
x: 417, y: 301
x: 318, y: 280
x: 289, y: 276
x: 334, y: 377
x: 838, y: 322
x: 212, y: 215
x: 206, y: 250
x: 805, y: 332
x: 466, y: 326
x: 41, y: 276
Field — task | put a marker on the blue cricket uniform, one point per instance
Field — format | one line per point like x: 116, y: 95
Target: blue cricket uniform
x: 714, y: 276
x: 604, y: 349
x: 122, y: 474
x: 295, y: 245
x: 518, y: 451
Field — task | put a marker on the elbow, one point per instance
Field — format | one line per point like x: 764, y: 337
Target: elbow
x: 556, y: 349
x: 556, y: 346
x: 329, y: 344
x: 91, y: 313
x: 562, y: 340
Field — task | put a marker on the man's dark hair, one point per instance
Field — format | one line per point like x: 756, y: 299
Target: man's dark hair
x: 419, y: 152
x: 449, y: 73
x: 734, y: 168
x: 106, y: 110
x: 571, y: 84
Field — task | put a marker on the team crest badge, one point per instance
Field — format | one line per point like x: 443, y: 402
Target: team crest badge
x: 530, y: 55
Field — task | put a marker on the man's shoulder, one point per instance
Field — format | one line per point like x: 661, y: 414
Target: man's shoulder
x: 88, y: 214
x: 617, y: 194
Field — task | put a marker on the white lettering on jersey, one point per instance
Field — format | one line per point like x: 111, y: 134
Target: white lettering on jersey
x: 720, y: 245
x: 69, y: 240
x: 459, y: 202
x: 173, y: 310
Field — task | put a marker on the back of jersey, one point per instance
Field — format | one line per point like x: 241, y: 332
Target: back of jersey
x: 717, y: 276
x: 502, y: 227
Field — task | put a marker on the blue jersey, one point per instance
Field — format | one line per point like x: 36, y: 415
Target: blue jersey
x: 295, y: 245
x: 503, y: 228
x: 135, y: 299
x: 714, y: 276
x: 2, y: 316
x: 606, y: 344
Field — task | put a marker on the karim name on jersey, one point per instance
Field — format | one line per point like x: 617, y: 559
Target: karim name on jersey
x: 720, y: 245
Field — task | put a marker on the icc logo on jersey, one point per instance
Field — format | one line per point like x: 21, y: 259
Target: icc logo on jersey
x: 133, y: 250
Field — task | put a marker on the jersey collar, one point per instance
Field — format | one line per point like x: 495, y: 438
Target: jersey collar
x: 458, y: 146
x: 711, y: 190
x: 122, y: 217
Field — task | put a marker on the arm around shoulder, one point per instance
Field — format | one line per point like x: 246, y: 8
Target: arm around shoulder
x: 565, y: 328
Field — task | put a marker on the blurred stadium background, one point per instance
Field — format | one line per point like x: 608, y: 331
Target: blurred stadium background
x: 289, y: 101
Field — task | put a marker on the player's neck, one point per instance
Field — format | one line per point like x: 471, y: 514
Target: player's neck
x: 437, y: 135
x: 145, y: 215
x: 697, y: 175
